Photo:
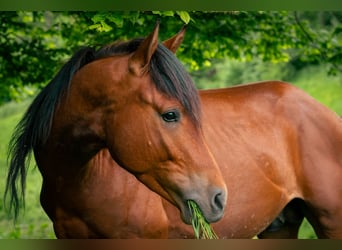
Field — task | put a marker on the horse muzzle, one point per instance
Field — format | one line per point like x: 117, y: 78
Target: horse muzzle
x: 212, y: 207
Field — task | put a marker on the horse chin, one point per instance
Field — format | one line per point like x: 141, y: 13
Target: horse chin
x: 185, y: 214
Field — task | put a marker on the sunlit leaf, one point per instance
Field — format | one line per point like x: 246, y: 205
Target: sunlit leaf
x: 184, y: 16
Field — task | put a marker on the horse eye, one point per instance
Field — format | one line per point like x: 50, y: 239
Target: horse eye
x: 171, y: 116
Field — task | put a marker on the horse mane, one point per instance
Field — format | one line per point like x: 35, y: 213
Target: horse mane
x: 34, y: 128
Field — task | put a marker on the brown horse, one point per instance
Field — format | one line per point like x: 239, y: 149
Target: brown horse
x: 279, y: 151
x: 131, y: 104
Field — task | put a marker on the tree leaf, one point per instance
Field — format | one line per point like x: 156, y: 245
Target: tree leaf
x: 184, y: 15
x: 164, y: 13
x: 337, y: 30
x: 105, y: 27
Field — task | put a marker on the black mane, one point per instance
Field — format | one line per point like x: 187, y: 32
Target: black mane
x: 34, y: 128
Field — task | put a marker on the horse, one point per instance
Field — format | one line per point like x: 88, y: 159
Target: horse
x: 260, y: 156
x: 131, y: 104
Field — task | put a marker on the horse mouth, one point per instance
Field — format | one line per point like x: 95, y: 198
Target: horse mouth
x: 211, y: 208
x: 187, y: 213
x: 195, y: 211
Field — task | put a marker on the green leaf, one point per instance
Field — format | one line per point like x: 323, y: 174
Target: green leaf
x: 184, y: 15
x: 164, y: 13
x: 98, y: 17
x: 94, y: 26
x: 168, y: 13
x: 118, y: 21
x: 156, y: 13
x: 105, y: 27
x: 337, y: 30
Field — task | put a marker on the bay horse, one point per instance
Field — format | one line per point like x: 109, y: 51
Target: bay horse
x: 278, y: 151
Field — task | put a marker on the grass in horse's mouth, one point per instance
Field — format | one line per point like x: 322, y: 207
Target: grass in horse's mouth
x: 202, y: 228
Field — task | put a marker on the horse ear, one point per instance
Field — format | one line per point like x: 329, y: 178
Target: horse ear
x: 139, y: 61
x: 174, y: 42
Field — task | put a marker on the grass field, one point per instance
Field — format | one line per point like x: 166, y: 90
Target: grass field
x: 33, y: 223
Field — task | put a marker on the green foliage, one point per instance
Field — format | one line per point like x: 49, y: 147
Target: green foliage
x: 123, y: 25
x: 274, y: 36
x: 33, y: 45
x: 30, y: 47
x: 321, y: 41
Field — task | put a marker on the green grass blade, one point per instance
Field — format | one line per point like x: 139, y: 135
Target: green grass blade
x: 202, y: 228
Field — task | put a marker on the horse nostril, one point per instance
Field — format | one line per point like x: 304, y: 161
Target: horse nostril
x: 219, y: 201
